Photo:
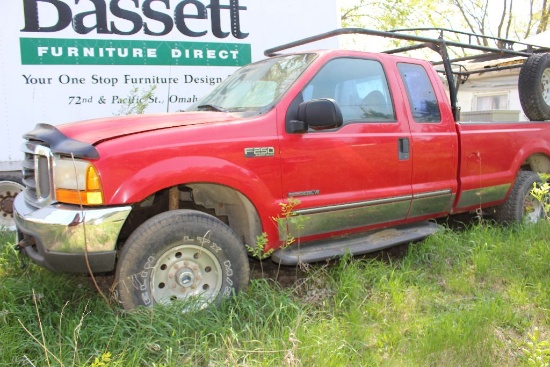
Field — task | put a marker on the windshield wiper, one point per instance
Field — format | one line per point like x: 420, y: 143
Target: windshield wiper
x: 212, y: 107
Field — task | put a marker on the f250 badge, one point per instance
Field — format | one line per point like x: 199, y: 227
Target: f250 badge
x: 259, y: 152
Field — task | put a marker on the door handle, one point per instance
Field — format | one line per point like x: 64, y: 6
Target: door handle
x: 404, y: 149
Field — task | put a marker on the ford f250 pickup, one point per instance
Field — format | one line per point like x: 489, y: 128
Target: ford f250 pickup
x: 369, y: 143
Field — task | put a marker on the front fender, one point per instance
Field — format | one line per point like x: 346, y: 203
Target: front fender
x: 182, y: 170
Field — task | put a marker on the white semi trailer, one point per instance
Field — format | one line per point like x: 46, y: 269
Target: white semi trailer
x: 70, y: 60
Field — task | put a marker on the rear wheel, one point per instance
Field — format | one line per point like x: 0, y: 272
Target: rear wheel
x: 181, y: 255
x: 521, y: 206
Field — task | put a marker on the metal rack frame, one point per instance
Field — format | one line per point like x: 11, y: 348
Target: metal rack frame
x: 504, y: 48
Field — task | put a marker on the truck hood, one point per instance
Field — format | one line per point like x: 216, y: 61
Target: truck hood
x: 95, y: 131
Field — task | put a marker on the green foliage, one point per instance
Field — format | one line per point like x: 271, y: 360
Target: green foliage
x: 478, y: 297
x: 387, y: 15
x: 541, y: 192
x: 137, y: 101
x: 536, y: 352
x: 288, y: 219
x: 284, y: 221
x: 503, y: 19
x: 103, y: 361
x: 258, y: 250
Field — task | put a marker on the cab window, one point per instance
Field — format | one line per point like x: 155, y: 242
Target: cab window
x: 422, y: 99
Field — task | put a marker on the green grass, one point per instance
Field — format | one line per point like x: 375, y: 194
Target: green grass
x: 479, y: 297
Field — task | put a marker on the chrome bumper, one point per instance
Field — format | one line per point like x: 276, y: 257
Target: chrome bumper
x: 60, y: 237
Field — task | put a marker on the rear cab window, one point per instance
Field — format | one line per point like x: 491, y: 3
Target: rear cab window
x: 420, y: 92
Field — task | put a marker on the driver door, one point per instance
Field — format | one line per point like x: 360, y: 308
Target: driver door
x: 357, y: 175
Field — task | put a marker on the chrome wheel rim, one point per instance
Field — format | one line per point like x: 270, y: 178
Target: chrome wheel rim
x: 533, y: 210
x: 8, y: 191
x: 186, y: 272
x: 545, y: 81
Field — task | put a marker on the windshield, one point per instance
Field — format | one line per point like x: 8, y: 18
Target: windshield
x: 255, y: 87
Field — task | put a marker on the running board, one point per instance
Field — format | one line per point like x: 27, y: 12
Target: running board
x: 356, y: 245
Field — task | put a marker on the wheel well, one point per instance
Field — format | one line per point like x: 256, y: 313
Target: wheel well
x: 538, y: 163
x: 225, y: 203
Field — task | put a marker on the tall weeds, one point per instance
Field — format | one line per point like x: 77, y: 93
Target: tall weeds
x: 477, y: 297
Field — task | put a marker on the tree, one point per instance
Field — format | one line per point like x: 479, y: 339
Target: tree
x: 503, y: 19
x: 386, y: 15
x: 545, y: 14
x: 474, y: 14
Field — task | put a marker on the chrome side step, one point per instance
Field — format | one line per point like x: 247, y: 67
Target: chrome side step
x: 357, y: 245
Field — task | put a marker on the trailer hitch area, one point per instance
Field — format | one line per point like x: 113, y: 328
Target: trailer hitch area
x: 20, y: 248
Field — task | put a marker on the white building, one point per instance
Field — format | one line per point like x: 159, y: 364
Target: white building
x: 493, y: 96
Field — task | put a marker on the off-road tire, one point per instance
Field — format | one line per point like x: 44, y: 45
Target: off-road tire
x: 534, y: 87
x: 520, y: 206
x: 181, y: 255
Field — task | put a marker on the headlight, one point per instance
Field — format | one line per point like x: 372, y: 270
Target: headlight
x: 77, y: 182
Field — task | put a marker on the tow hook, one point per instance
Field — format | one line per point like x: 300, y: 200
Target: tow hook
x: 20, y: 248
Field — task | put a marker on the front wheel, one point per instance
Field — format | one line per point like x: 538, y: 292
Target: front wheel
x: 521, y: 206
x: 10, y: 186
x: 181, y: 255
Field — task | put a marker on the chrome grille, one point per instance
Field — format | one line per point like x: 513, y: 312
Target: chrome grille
x: 37, y: 174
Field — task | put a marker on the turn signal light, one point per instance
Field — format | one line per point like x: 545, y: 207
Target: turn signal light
x: 92, y: 194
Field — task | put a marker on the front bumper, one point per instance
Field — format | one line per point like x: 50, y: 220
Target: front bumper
x: 64, y: 238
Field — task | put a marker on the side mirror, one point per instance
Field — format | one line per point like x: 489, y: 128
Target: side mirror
x: 318, y: 114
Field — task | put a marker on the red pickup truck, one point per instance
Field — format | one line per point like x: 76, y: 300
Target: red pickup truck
x: 368, y: 143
